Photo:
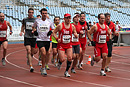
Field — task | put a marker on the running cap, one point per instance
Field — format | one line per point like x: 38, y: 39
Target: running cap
x: 67, y: 15
x: 76, y: 15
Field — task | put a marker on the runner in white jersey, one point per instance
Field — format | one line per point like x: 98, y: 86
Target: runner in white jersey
x: 43, y: 26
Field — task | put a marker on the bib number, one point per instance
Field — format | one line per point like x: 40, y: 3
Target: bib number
x: 2, y: 33
x: 83, y: 34
x: 29, y: 25
x: 44, y: 28
x: 102, y: 39
x: 66, y: 38
x: 74, y: 39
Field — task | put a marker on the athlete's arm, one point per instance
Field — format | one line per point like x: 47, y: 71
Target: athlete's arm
x: 22, y: 28
x: 92, y: 30
x: 114, y: 31
x: 109, y: 33
x: 74, y: 31
x: 10, y: 27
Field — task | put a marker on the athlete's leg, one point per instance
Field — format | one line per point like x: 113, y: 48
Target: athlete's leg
x: 109, y: 57
x: 69, y: 58
x: 43, y: 56
x: 48, y: 55
x: 5, y: 44
x: 28, y: 49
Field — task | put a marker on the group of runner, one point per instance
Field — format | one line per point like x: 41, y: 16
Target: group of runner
x: 66, y: 40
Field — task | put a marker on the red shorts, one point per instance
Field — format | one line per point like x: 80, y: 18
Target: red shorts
x: 63, y: 47
x: 100, y: 48
x: 83, y: 45
x: 36, y: 45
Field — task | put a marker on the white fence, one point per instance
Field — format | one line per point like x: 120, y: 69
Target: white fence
x: 15, y: 35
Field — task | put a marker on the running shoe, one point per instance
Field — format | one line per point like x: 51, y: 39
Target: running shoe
x: 102, y: 73
x: 92, y: 61
x: 66, y: 74
x: 52, y: 61
x: 43, y: 72
x: 80, y: 67
x: 73, y: 71
x: 3, y: 62
x: 47, y: 67
x: 107, y: 69
x: 58, y: 66
x: 31, y: 69
x: 39, y: 63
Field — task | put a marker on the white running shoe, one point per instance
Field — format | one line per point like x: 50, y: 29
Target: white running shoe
x: 66, y: 74
x: 3, y: 62
x: 31, y: 69
x: 102, y: 73
x: 73, y: 71
x: 107, y: 69
x: 56, y: 64
x: 43, y: 72
x: 39, y: 63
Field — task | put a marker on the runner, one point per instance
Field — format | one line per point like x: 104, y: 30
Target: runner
x: 39, y: 62
x: 100, y: 32
x: 43, y: 26
x: 3, y: 35
x: 65, y: 30
x: 111, y: 25
x: 29, y: 38
x: 54, y: 43
x: 82, y: 38
x: 75, y: 42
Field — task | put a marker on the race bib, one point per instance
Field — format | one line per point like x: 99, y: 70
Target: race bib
x: 74, y: 39
x: 66, y: 38
x: 83, y: 34
x: 2, y: 33
x: 102, y: 39
x: 44, y: 28
x: 29, y: 25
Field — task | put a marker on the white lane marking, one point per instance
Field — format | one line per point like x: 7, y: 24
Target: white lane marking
x: 114, y: 61
x: 121, y: 56
x: 19, y: 81
x: 54, y: 75
x: 96, y: 73
x: 19, y: 67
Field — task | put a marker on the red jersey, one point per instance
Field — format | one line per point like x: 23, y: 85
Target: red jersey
x: 111, y: 26
x: 65, y: 35
x: 83, y: 38
x: 3, y: 31
x: 75, y: 41
x: 100, y: 35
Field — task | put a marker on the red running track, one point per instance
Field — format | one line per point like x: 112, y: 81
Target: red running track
x: 16, y: 72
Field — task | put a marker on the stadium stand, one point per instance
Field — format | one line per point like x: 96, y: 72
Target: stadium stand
x: 15, y: 12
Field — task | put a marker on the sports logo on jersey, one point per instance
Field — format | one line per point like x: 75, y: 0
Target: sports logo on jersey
x: 65, y: 32
x: 103, y: 31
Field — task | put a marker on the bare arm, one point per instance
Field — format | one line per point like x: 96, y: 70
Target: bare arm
x: 92, y: 30
x: 10, y: 27
x: 74, y: 31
